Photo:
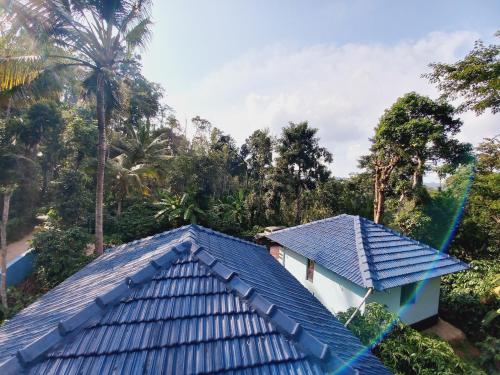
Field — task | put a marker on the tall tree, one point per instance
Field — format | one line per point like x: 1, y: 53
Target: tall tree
x: 6, y: 193
x: 301, y: 161
x: 9, y: 165
x: 98, y: 36
x: 475, y: 78
x: 258, y: 154
x: 412, y: 133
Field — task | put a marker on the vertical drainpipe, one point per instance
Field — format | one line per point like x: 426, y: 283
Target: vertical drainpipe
x: 370, y: 290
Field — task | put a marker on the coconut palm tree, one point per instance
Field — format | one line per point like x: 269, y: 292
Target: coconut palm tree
x: 127, y: 178
x: 97, y: 35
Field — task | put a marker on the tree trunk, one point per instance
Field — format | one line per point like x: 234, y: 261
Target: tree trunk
x: 298, y: 208
x: 378, y: 202
x: 418, y: 174
x: 119, y: 207
x: 101, y: 158
x: 382, y: 175
x: 3, y: 248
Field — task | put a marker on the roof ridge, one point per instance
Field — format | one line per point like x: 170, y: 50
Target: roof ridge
x: 364, y: 262
x: 145, y: 239
x: 224, y: 235
x: 101, y: 304
x: 401, y: 235
x: 310, y: 223
x: 306, y: 341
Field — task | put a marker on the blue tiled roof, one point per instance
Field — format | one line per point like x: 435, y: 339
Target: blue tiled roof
x: 189, y: 300
x: 368, y: 254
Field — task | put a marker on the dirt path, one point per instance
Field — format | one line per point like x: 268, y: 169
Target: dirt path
x: 455, y: 337
x: 17, y: 248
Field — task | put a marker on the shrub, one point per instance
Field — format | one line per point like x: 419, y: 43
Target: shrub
x: 404, y: 350
x: 490, y: 354
x: 59, y: 254
x: 466, y: 298
x: 372, y: 325
x: 137, y: 221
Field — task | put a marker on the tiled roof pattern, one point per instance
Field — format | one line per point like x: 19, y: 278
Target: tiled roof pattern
x: 183, y: 321
x: 366, y: 253
x: 79, y: 291
x: 204, y: 302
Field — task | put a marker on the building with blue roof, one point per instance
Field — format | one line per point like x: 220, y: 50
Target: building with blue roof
x: 186, y: 301
x: 347, y: 261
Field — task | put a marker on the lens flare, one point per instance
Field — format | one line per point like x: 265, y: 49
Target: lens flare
x: 445, y: 243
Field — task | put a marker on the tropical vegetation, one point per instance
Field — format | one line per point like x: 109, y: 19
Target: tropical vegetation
x: 91, y: 146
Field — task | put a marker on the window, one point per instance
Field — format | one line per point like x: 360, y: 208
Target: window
x: 281, y: 256
x: 408, y: 294
x: 310, y: 270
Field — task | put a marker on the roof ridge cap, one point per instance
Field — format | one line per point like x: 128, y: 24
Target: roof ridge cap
x: 306, y: 341
x: 224, y: 235
x: 327, y: 219
x: 364, y: 263
x: 144, y: 239
x: 99, y: 305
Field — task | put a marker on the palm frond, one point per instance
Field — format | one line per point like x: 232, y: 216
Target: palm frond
x: 19, y: 70
x: 139, y: 35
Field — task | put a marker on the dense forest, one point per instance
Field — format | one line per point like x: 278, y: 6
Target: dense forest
x: 65, y: 120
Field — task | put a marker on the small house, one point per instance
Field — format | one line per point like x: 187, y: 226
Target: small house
x: 186, y: 301
x: 347, y: 261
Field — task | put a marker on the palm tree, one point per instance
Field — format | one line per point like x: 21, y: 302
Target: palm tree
x: 97, y: 35
x: 141, y: 147
x: 139, y: 154
x: 127, y: 178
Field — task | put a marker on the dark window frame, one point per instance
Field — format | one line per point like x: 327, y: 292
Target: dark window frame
x: 310, y: 270
x: 408, y: 294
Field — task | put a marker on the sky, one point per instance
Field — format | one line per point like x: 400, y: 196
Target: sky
x: 247, y: 65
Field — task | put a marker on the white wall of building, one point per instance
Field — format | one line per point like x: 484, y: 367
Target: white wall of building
x: 426, y: 303
x: 338, y: 294
x: 388, y: 297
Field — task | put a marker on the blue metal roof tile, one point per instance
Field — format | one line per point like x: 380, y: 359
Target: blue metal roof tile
x: 219, y: 304
x: 366, y: 253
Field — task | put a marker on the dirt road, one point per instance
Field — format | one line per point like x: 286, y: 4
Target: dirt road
x: 17, y: 248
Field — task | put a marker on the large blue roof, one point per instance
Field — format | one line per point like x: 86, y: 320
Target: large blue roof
x: 368, y: 254
x: 189, y: 300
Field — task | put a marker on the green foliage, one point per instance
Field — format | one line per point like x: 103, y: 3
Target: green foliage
x: 59, y: 254
x: 490, y: 354
x: 180, y: 209
x: 301, y: 162
x: 371, y: 326
x: 137, y: 221
x: 474, y: 79
x: 478, y: 236
x: 409, y: 218
x: 467, y: 297
x: 18, y: 227
x: 73, y: 197
x: 404, y: 350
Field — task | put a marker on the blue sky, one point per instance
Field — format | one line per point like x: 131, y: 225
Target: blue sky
x: 246, y: 65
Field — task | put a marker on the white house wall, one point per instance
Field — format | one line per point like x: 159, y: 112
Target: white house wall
x: 389, y: 297
x: 426, y: 304
x: 335, y: 292
x: 338, y: 294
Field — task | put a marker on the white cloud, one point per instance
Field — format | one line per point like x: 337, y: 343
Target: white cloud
x: 341, y: 90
